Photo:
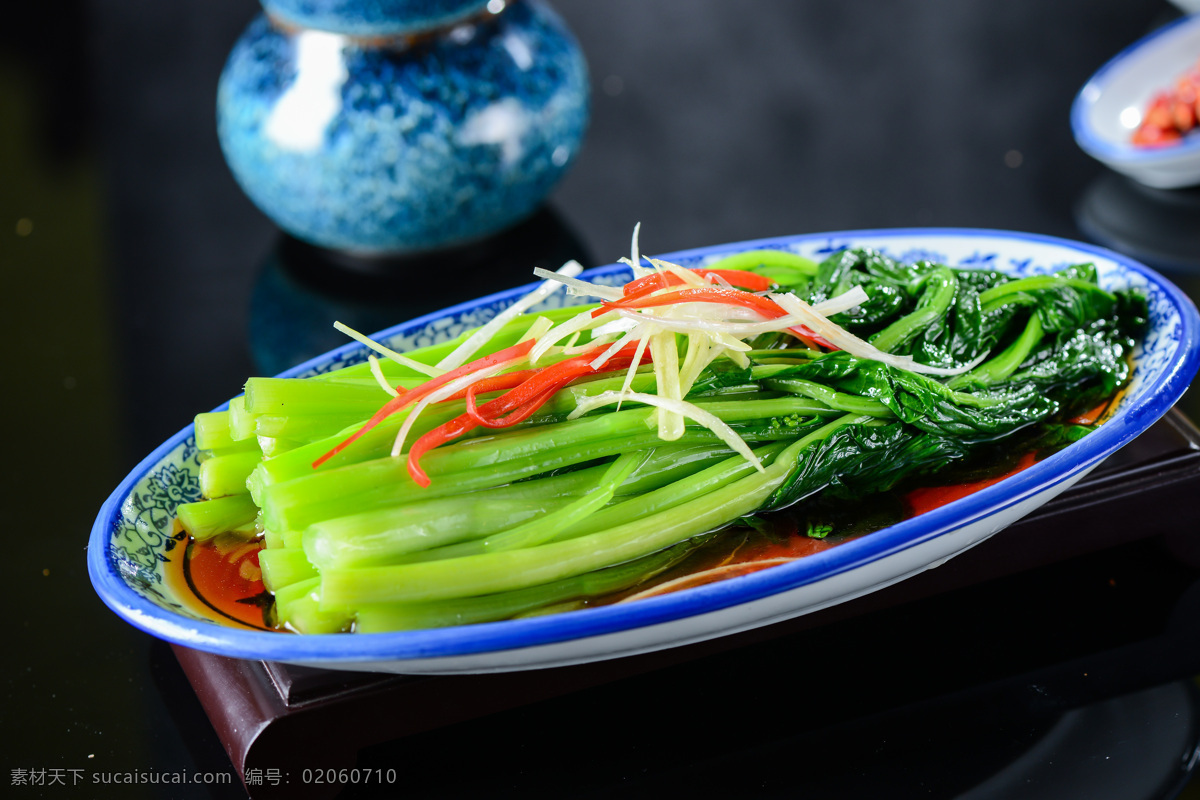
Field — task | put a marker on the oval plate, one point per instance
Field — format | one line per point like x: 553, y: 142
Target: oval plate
x: 131, y: 541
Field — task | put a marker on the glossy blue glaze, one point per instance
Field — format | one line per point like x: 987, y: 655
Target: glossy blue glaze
x: 372, y: 17
x: 404, y: 148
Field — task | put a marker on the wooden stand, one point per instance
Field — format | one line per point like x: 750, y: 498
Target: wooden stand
x: 275, y: 720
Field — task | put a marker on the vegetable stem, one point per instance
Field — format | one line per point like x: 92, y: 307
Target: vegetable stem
x: 940, y: 288
x: 503, y: 605
x: 387, y: 535
x: 517, y: 569
x: 207, y: 518
x: 999, y: 368
x: 226, y: 475
x: 783, y: 267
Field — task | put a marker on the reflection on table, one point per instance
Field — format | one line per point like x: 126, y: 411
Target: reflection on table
x: 1160, y: 227
x: 301, y: 290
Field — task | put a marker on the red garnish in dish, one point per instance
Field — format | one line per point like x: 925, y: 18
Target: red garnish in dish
x: 1172, y: 113
x: 527, y: 390
x: 750, y: 280
x: 733, y: 297
x: 1090, y: 417
x: 704, y: 294
x: 515, y: 415
x: 497, y: 383
x: 520, y: 403
x: 413, y: 395
x: 664, y: 280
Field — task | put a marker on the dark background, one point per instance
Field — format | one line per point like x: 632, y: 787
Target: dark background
x: 131, y: 260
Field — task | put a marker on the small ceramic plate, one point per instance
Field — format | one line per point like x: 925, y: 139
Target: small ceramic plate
x: 133, y: 543
x: 1109, y: 108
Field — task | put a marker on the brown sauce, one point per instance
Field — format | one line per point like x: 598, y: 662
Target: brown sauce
x: 220, y: 579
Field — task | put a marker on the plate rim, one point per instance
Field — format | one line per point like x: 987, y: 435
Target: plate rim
x: 587, y: 623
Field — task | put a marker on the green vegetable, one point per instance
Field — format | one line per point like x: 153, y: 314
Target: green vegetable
x: 555, y: 511
x: 206, y: 519
x: 502, y: 605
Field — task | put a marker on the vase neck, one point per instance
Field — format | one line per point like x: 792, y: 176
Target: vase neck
x: 381, y: 23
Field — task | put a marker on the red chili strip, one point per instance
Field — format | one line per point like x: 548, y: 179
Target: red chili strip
x: 499, y: 383
x: 738, y: 277
x: 763, y: 305
x: 558, y: 375
x: 1090, y: 417
x: 434, y: 438
x: 520, y: 403
x: 649, y: 283
x: 541, y: 386
x: 525, y: 404
x: 811, y: 340
x: 661, y: 280
x: 730, y: 297
x: 413, y: 395
x: 521, y: 413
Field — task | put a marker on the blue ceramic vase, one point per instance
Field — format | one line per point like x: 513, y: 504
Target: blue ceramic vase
x: 401, y: 125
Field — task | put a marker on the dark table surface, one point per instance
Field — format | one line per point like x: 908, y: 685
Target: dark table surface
x: 140, y: 287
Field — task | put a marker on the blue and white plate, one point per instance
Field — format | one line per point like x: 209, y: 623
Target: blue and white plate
x: 1109, y: 107
x: 132, y: 545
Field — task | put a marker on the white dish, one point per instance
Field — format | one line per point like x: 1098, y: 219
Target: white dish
x: 131, y: 540
x: 1109, y: 107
